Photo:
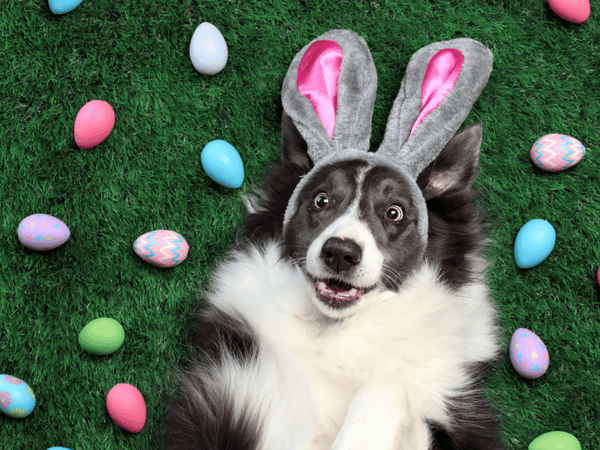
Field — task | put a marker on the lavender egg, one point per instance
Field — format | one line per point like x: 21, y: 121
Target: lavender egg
x: 42, y: 232
x: 528, y: 354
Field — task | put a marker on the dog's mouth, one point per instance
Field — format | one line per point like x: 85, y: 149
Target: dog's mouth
x: 337, y: 293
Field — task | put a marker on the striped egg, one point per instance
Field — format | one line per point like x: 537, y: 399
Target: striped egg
x: 162, y: 248
x: 528, y: 354
x: 556, y: 152
x: 42, y: 232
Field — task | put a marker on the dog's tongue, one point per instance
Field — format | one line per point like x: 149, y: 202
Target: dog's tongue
x: 338, y: 293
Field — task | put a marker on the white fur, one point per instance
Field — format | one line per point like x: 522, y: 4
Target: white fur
x: 396, y: 362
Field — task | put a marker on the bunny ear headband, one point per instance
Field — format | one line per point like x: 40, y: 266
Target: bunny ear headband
x: 329, y: 92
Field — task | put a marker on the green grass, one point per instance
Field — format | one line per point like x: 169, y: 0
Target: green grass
x: 147, y: 175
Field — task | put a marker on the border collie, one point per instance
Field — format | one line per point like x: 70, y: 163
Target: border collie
x: 342, y: 330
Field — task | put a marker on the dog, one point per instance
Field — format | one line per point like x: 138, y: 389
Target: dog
x: 338, y: 327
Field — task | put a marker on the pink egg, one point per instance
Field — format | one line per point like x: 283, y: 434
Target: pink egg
x: 576, y: 11
x: 556, y: 152
x: 94, y: 122
x: 126, y: 406
x: 528, y: 354
x: 598, y: 275
x: 163, y: 248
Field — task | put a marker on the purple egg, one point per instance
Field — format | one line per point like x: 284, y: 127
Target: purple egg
x: 528, y: 354
x: 42, y: 232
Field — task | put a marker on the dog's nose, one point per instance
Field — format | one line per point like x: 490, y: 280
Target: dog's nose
x: 341, y: 255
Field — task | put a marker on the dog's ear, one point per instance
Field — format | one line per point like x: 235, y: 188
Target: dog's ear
x: 293, y: 147
x: 456, y: 166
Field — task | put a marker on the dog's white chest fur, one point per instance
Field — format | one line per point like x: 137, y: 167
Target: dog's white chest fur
x: 416, y: 343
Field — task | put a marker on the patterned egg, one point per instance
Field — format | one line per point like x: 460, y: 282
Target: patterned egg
x: 555, y: 440
x: 16, y: 397
x: 576, y: 11
x: 535, y: 241
x: 94, y: 122
x: 102, y: 336
x: 221, y: 161
x: 208, y: 49
x: 163, y: 248
x: 63, y: 6
x: 126, y: 406
x: 528, y: 354
x: 42, y: 232
x: 556, y: 152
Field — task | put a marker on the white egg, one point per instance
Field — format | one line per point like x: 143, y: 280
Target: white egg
x: 208, y: 50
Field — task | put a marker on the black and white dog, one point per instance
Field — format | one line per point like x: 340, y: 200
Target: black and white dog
x: 343, y: 330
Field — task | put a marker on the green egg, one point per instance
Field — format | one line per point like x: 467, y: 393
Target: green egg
x: 102, y: 336
x: 555, y: 440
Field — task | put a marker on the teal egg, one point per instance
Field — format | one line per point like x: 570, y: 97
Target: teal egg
x: 17, y: 399
x: 221, y: 161
x: 58, y: 448
x: 63, y: 6
x: 534, y: 243
x: 555, y: 440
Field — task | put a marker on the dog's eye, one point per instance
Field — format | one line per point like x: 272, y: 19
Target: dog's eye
x: 394, y: 213
x: 321, y: 200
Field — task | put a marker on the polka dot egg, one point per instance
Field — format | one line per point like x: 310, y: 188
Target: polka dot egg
x: 528, y: 354
x: 42, y: 232
x: 16, y: 397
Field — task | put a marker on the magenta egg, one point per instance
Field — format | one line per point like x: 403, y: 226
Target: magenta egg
x: 126, y: 406
x: 94, y: 122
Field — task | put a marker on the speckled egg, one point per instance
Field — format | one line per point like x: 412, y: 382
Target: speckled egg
x: 162, y: 248
x: 16, y: 397
x: 102, y: 336
x: 94, y: 122
x: 555, y: 440
x: 126, y: 406
x: 556, y: 152
x: 528, y: 354
x: 221, y: 161
x: 42, y: 232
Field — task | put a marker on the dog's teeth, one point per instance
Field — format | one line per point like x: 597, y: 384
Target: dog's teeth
x: 352, y: 291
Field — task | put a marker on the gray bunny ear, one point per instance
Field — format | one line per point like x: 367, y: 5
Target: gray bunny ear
x: 442, y: 82
x: 329, y: 91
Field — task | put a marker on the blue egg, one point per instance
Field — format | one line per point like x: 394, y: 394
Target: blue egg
x: 63, y: 6
x: 221, y: 161
x: 58, y: 448
x: 17, y: 399
x: 534, y: 243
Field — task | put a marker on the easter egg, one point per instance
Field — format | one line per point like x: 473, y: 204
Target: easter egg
x: 208, y: 50
x: 126, y: 406
x: 576, y: 11
x: 94, y: 122
x: 63, y: 6
x: 102, y: 336
x: 42, y: 232
x: 58, y: 448
x: 16, y: 397
x: 598, y: 275
x: 555, y: 440
x: 221, y: 161
x: 556, y: 152
x: 162, y: 248
x: 528, y: 354
x: 535, y: 240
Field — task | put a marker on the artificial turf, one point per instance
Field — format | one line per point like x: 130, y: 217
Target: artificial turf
x: 147, y: 175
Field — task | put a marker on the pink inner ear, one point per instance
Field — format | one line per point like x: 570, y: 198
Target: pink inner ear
x: 441, y: 75
x: 318, y: 76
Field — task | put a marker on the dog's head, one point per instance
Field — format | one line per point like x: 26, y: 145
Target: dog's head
x: 355, y: 226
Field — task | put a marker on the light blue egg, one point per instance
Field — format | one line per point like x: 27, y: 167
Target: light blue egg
x: 221, y: 161
x: 58, y: 448
x: 534, y: 243
x: 63, y: 6
x: 17, y: 399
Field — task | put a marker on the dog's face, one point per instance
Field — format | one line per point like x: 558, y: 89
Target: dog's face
x: 354, y: 231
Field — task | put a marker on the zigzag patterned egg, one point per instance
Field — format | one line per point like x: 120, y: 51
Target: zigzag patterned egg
x: 42, y: 232
x: 162, y: 248
x: 556, y: 152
